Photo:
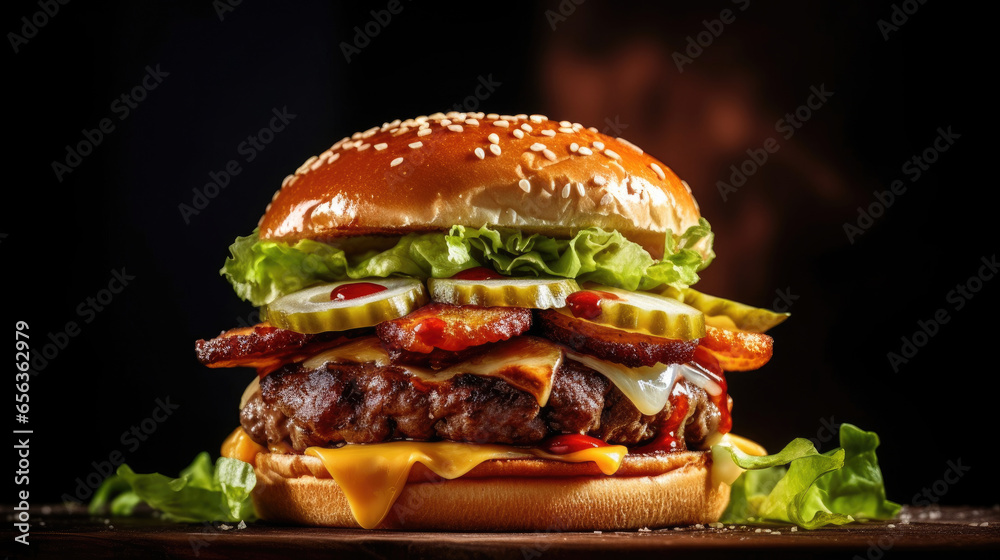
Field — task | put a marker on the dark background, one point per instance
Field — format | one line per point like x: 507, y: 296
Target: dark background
x: 119, y: 208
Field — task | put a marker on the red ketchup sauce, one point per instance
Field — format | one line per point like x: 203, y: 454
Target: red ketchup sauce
x: 355, y: 290
x: 570, y: 443
x: 711, y: 367
x: 586, y: 304
x: 668, y: 437
x: 478, y: 273
x: 430, y: 331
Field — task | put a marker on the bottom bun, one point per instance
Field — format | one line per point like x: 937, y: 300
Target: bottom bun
x: 648, y: 491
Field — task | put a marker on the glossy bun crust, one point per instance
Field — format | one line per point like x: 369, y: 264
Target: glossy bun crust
x: 471, y: 169
x: 507, y: 495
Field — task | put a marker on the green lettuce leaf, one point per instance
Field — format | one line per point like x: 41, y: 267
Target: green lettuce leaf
x: 814, y: 489
x: 201, y: 492
x: 262, y: 270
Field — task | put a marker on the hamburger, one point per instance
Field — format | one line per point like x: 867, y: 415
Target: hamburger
x: 485, y: 322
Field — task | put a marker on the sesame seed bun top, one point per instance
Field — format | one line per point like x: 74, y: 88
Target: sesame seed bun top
x: 471, y: 169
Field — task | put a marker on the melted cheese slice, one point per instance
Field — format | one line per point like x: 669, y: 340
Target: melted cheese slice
x: 648, y: 388
x: 372, y: 476
x: 525, y: 362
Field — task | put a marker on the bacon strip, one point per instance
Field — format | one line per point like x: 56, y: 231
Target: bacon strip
x: 614, y: 345
x: 453, y: 327
x: 264, y: 347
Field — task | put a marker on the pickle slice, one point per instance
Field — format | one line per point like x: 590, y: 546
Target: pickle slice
x: 312, y: 311
x: 728, y: 314
x: 537, y: 293
x: 640, y: 312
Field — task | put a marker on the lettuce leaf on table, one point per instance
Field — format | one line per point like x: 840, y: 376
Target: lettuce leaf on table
x: 810, y: 489
x: 202, y: 492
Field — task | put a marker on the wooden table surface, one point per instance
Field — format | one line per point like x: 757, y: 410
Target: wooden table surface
x: 59, y: 533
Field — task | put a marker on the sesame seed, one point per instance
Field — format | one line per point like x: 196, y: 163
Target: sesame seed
x: 334, y: 158
x: 504, y: 124
x: 316, y: 164
x: 566, y: 130
x: 538, y: 118
x: 445, y: 122
x: 436, y: 116
x: 396, y: 162
x: 302, y: 168
x: 493, y: 138
x: 548, y: 133
x: 455, y: 127
x: 472, y: 122
x: 495, y: 149
x: 593, y: 129
x: 288, y: 179
x: 520, y: 116
x: 370, y: 132
x: 574, y: 147
x: 549, y: 154
x: 579, y: 188
x: 381, y: 146
x: 659, y: 172
x: 364, y: 147
x: 508, y: 117
x: 415, y: 145
x: 612, y: 154
x: 424, y: 125
x: 525, y: 185
x: 355, y: 136
x: 493, y: 116
x: 598, y: 145
x: 565, y: 190
x: 480, y: 153
x: 686, y: 186
x: 518, y: 133
x: 629, y: 144
x: 566, y: 124
x: 424, y: 132
x: 526, y: 127
x: 606, y: 199
x: 339, y: 143
x: 537, y: 147
x: 584, y: 151
x: 599, y: 180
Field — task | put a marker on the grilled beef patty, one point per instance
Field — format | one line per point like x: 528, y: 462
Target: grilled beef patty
x: 364, y: 403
